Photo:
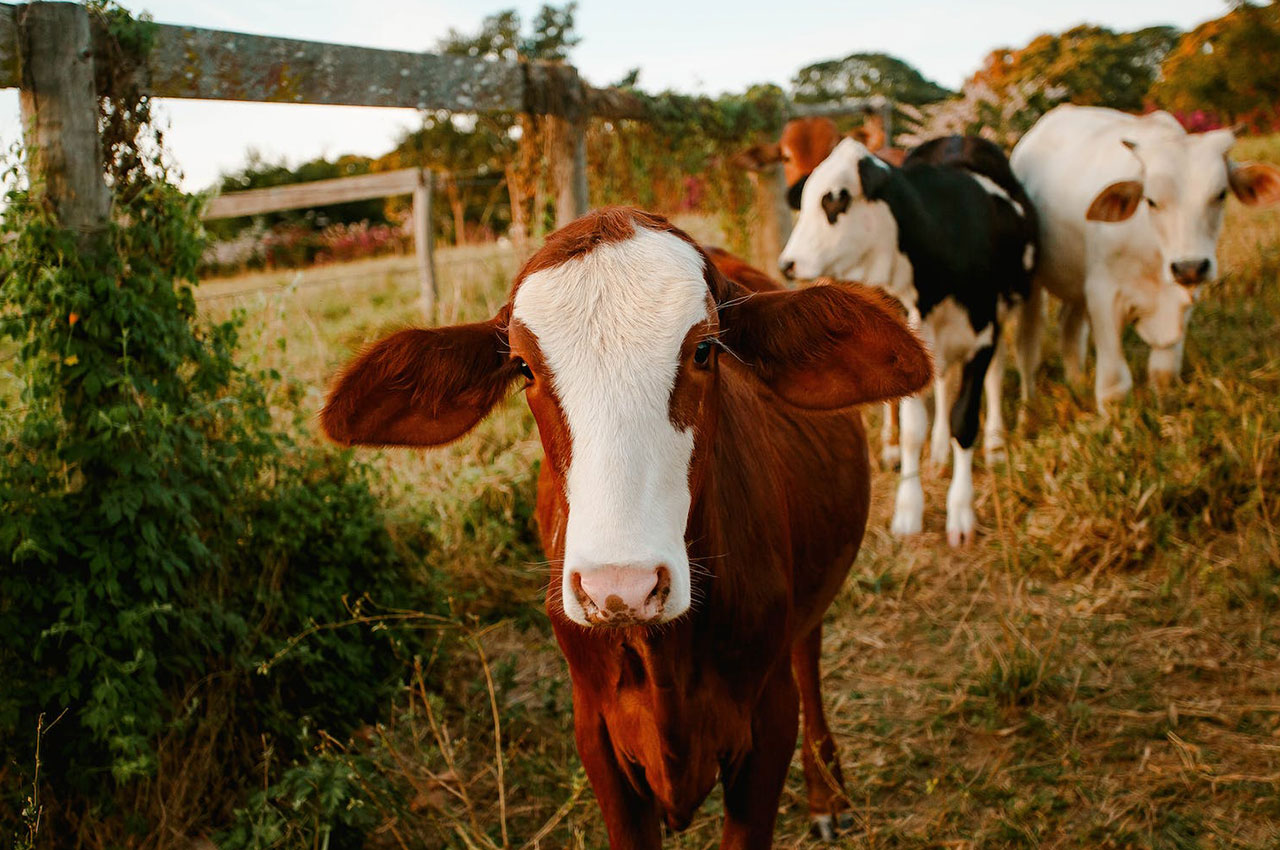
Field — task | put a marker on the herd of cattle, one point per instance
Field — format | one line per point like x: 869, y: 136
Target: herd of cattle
x: 706, y: 481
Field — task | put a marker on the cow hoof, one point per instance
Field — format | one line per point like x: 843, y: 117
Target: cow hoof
x: 993, y: 450
x: 906, y: 526
x: 1161, y: 380
x: 960, y: 528
x: 940, y: 457
x: 829, y: 827
x: 890, y: 457
x: 908, y: 510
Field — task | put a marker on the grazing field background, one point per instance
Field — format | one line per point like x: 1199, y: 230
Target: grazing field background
x: 1101, y: 669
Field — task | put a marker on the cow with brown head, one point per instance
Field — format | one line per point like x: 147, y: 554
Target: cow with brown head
x: 704, y: 491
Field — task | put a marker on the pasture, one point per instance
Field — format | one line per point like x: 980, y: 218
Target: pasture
x: 1100, y: 669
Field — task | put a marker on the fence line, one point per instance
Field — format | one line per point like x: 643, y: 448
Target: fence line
x: 49, y: 51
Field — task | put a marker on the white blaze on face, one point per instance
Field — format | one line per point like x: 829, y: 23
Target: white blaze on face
x: 610, y: 325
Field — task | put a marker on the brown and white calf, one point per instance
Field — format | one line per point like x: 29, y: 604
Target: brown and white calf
x: 704, y: 492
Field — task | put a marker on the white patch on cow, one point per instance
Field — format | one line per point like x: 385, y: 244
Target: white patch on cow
x: 995, y: 189
x: 952, y: 334
x: 1029, y: 256
x: 960, y: 516
x: 908, y: 509
x: 862, y: 244
x: 610, y: 326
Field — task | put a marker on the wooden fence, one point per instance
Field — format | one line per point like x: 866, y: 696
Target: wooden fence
x: 417, y: 182
x: 49, y: 49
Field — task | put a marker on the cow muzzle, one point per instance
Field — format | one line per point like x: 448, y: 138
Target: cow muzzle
x: 622, y: 595
x: 1190, y: 272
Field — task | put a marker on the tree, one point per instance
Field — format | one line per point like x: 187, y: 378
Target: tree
x: 1225, y: 68
x: 861, y: 75
x: 1088, y: 65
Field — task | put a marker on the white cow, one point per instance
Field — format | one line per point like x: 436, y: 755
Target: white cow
x: 1130, y: 211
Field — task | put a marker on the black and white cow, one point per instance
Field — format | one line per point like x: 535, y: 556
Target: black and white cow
x: 952, y: 235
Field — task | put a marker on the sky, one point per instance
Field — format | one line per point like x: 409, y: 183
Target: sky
x: 686, y: 45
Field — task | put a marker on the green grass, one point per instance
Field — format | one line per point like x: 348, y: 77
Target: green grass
x: 1101, y: 669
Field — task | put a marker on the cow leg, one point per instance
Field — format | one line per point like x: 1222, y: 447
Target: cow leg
x: 1164, y: 365
x: 993, y: 390
x: 1030, y: 329
x: 1114, y: 380
x: 940, y: 436
x: 908, y: 510
x: 753, y: 785
x: 890, y: 451
x: 964, y: 426
x: 1075, y: 341
x: 823, y: 779
x: 632, y: 820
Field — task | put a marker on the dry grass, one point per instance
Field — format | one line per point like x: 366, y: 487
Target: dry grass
x: 1101, y: 669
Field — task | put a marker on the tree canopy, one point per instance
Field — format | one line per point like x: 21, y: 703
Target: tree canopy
x: 860, y: 75
x: 1087, y: 64
x: 1218, y: 69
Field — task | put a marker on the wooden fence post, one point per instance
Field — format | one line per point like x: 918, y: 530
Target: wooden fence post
x: 422, y: 245
x: 568, y: 126
x: 886, y: 116
x: 772, y: 216
x: 60, y: 115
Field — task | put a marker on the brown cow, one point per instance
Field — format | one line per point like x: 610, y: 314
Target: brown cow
x: 805, y: 142
x: 705, y: 489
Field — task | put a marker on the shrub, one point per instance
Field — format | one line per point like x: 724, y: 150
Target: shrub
x: 161, y: 537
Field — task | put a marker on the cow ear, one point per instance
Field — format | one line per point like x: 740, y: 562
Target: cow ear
x: 874, y: 174
x: 1117, y: 202
x: 757, y: 157
x: 421, y: 387
x: 1256, y: 184
x: 826, y: 346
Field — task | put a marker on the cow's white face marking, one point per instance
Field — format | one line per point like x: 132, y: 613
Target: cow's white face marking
x: 610, y: 325
x: 861, y: 243
x: 1185, y: 188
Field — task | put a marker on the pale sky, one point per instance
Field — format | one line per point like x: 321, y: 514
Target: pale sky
x: 695, y: 47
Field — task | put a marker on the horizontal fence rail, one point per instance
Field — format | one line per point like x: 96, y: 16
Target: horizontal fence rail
x: 190, y: 62
x: 50, y: 51
x: 317, y: 193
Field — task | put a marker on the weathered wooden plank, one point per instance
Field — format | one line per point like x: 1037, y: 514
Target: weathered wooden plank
x: 187, y: 62
x: 60, y: 115
x: 10, y: 72
x: 771, y: 214
x: 317, y: 193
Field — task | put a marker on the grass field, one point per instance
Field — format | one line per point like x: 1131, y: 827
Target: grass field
x: 1101, y: 669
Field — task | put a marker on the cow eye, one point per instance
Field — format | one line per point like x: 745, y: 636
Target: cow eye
x: 702, y: 353
x: 1151, y: 203
x: 1222, y: 196
x: 524, y: 369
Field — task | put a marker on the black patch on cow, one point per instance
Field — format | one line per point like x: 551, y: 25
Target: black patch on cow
x: 874, y: 174
x: 965, y: 411
x: 794, y: 193
x: 833, y: 204
x: 963, y: 242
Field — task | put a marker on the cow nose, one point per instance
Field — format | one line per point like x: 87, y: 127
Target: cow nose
x: 788, y: 269
x: 622, y: 595
x: 1190, y: 272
